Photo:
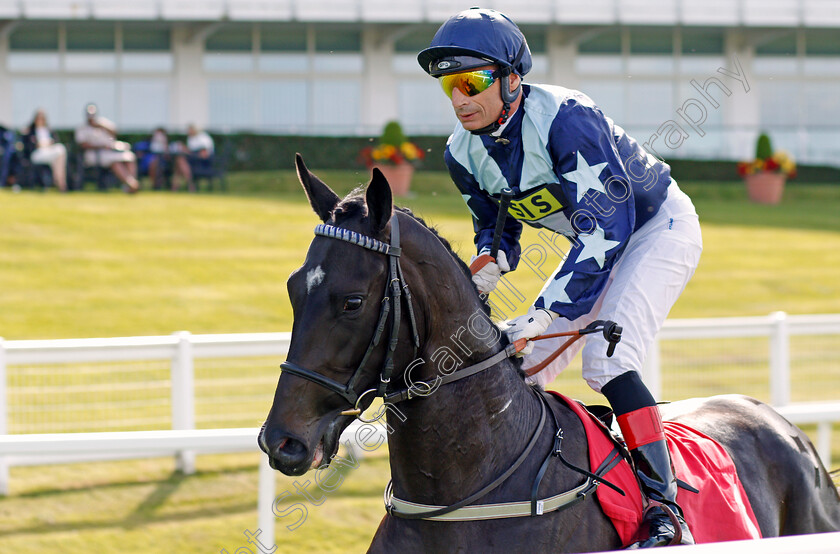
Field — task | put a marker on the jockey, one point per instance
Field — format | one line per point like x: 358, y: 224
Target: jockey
x: 635, y: 236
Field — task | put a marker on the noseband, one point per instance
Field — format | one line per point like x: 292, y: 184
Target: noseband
x: 391, y: 304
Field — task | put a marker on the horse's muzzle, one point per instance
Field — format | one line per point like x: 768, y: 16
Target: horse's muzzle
x: 285, y: 454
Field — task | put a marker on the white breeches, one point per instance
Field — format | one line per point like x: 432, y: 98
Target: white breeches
x: 653, y: 270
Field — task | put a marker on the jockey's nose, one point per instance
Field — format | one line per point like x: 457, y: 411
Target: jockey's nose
x: 459, y: 98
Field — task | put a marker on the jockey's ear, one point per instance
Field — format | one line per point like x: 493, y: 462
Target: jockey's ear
x: 379, y: 201
x: 321, y: 197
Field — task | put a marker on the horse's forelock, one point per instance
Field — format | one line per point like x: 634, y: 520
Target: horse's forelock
x: 353, y: 207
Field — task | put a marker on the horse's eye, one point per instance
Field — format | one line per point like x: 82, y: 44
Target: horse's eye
x: 352, y: 303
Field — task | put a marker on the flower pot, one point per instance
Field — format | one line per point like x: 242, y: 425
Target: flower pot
x: 765, y: 187
x: 398, y: 176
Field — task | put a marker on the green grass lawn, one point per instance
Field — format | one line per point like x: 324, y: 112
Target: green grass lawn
x: 92, y: 264
x: 88, y: 265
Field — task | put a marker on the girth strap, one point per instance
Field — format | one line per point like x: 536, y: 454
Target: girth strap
x: 491, y: 511
x: 463, y: 511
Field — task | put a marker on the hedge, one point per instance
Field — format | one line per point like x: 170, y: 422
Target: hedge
x: 249, y: 151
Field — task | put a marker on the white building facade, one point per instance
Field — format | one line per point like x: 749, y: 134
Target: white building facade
x: 691, y: 78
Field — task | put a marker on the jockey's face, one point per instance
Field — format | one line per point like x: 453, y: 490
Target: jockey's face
x: 481, y: 110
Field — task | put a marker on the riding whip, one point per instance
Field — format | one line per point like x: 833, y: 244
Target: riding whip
x: 484, y: 259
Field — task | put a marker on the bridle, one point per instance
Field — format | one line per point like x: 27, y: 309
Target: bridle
x: 390, y: 305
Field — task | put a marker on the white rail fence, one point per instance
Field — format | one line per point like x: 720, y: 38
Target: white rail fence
x: 178, y: 369
x: 185, y: 381
x: 140, y: 444
x: 162, y: 443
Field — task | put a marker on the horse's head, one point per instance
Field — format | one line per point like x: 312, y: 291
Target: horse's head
x: 340, y: 296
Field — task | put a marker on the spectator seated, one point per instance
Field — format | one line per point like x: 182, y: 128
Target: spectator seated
x: 149, y: 163
x: 8, y: 151
x: 98, y: 174
x: 204, y: 162
x: 29, y: 172
x: 213, y: 167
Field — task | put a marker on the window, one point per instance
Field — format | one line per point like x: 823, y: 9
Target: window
x: 80, y: 91
x: 779, y: 46
x: 231, y: 104
x: 284, y: 105
x: 337, y: 106
x: 414, y: 41
x: 90, y: 37
x: 34, y: 36
x: 819, y: 42
x: 33, y: 48
x: 91, y: 48
x: 697, y: 42
x: 651, y: 42
x: 422, y: 106
x: 143, y: 103
x: 146, y: 49
x: 283, y: 39
x: 29, y: 94
x: 138, y: 38
x: 229, y: 50
x: 338, y: 40
x: 608, y: 42
x: 536, y: 39
x: 338, y: 50
x: 230, y: 39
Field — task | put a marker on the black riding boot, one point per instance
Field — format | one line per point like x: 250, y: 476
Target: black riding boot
x: 641, y: 425
x: 653, y: 467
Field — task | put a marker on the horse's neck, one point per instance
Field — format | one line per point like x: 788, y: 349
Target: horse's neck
x: 467, y: 432
x: 451, y: 435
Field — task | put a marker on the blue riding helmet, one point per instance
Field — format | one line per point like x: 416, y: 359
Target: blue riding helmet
x: 474, y: 38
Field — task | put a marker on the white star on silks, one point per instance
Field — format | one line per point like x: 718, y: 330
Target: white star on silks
x: 557, y: 289
x: 595, y: 246
x: 586, y: 176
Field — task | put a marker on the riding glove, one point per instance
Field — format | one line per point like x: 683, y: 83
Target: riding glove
x: 487, y: 277
x: 528, y: 326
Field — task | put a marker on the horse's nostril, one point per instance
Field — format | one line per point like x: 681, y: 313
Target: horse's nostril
x: 289, y: 448
x: 285, y: 453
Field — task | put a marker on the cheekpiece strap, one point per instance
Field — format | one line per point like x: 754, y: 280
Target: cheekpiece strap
x: 358, y: 239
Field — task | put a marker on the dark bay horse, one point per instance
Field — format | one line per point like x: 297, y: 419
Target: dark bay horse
x: 450, y: 440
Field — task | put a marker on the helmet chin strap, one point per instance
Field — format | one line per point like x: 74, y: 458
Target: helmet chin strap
x: 508, y: 96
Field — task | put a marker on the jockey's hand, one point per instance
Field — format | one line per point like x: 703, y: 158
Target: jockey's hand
x: 487, y: 277
x: 528, y: 326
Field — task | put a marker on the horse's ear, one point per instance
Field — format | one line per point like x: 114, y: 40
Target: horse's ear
x: 321, y: 197
x: 379, y: 201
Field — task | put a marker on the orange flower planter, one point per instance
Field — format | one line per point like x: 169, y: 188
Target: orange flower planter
x: 765, y: 187
x: 398, y: 176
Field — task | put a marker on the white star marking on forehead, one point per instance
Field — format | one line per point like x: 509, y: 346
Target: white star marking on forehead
x: 595, y: 246
x: 314, y: 277
x: 556, y: 289
x: 586, y: 176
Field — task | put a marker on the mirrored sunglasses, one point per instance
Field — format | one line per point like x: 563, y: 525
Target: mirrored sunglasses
x: 468, y: 82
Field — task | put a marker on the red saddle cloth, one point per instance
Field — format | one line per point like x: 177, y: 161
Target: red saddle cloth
x: 721, y: 510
